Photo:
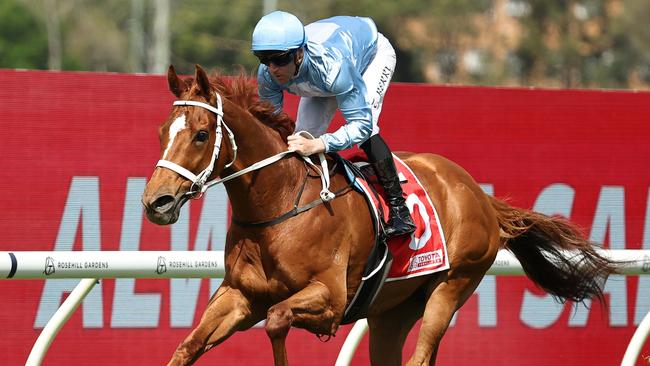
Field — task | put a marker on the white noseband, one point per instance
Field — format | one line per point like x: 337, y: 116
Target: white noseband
x: 200, y: 181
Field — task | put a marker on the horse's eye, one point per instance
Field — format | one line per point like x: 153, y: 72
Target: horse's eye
x: 202, y: 136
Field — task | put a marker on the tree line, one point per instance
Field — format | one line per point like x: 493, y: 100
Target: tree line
x: 548, y: 43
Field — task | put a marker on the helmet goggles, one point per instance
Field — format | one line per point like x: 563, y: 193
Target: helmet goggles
x: 278, y: 58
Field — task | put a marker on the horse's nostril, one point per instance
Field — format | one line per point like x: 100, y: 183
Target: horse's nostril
x: 163, y: 203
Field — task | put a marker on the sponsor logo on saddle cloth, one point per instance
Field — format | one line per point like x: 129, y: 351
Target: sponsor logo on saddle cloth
x: 425, y: 251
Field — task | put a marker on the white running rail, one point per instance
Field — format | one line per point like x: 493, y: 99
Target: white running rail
x: 93, y: 265
x: 638, y: 263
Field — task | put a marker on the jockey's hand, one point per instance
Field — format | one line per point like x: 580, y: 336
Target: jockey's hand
x: 304, y: 146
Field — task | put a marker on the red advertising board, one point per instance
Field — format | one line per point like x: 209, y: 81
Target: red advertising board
x: 76, y: 149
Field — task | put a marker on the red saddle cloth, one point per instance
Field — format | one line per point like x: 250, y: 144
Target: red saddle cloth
x: 423, y: 252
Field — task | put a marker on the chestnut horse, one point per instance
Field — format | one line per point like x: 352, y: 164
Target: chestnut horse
x: 303, y: 271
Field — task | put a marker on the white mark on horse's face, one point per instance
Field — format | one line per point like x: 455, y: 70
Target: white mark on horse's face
x: 177, y: 126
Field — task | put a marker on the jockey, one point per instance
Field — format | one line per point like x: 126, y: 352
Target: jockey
x: 337, y: 63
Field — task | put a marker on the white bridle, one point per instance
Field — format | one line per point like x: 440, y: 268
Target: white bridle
x: 200, y: 180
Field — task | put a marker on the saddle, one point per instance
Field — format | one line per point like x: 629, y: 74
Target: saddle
x: 380, y: 259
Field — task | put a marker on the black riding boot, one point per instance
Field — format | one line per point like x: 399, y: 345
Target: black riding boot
x: 399, y: 221
x: 379, y: 155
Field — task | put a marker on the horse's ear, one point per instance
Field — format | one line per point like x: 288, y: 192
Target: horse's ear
x: 176, y: 85
x: 202, y: 80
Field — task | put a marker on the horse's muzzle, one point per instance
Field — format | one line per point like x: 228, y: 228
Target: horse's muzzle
x: 163, y: 209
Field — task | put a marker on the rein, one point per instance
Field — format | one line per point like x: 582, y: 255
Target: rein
x: 201, y: 183
x: 296, y: 210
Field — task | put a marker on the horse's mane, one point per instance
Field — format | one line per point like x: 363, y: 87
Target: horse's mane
x: 242, y: 90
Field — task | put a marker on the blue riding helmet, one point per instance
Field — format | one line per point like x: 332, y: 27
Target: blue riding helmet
x: 279, y: 31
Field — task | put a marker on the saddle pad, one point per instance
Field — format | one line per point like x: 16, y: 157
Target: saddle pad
x: 425, y: 251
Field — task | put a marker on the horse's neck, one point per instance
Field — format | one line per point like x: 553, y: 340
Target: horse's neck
x: 266, y: 192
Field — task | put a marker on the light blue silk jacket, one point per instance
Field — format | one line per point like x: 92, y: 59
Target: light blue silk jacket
x: 337, y: 53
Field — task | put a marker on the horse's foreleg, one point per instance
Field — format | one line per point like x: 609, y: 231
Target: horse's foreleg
x: 310, y: 308
x: 227, y: 312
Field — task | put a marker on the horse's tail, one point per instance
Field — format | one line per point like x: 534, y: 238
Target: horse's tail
x: 554, y: 253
